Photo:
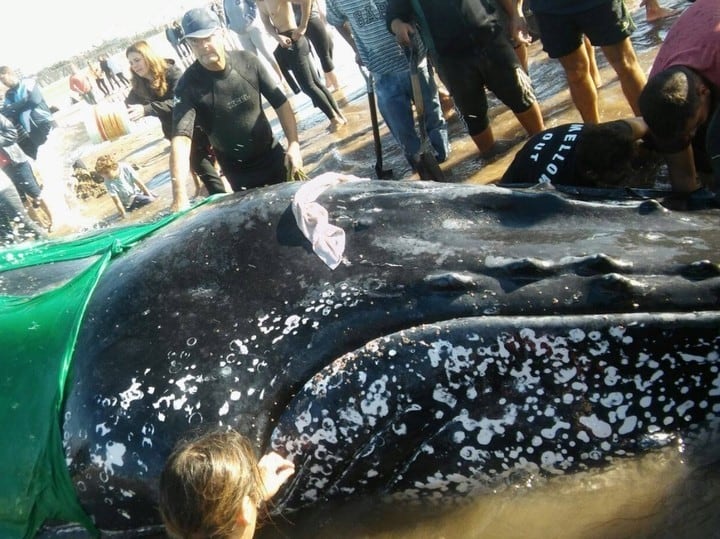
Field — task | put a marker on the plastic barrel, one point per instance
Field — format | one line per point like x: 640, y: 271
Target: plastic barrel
x: 107, y: 121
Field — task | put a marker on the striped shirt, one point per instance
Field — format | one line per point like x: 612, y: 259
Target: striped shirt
x: 377, y: 47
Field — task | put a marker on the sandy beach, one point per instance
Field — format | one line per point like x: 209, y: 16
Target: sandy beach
x: 348, y: 150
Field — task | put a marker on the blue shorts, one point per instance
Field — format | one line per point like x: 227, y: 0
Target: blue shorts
x: 606, y: 24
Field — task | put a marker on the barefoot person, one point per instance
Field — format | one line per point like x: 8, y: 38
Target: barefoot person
x: 221, y: 91
x: 127, y: 191
x: 293, y: 53
x: 471, y: 53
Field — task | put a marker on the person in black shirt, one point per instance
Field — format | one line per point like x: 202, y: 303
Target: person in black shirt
x: 584, y: 155
x: 471, y: 52
x: 222, y: 91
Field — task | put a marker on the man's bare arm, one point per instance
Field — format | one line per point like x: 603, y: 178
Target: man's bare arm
x: 286, y: 117
x: 179, y: 170
x: 681, y: 167
x: 305, y: 8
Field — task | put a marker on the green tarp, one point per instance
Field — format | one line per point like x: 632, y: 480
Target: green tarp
x: 37, y: 340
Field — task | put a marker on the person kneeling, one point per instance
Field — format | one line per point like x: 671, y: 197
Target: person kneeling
x: 122, y: 184
x: 583, y: 155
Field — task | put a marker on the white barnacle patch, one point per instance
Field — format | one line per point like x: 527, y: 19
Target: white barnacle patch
x: 618, y: 332
x: 102, y: 429
x: 224, y: 409
x: 684, y: 407
x: 441, y: 394
x: 563, y: 376
x: 375, y: 403
x: 629, y: 424
x: 612, y: 399
x: 576, y: 335
x: 597, y: 426
x: 131, y: 394
x: 524, y: 379
x: 612, y: 376
x: 111, y: 457
x: 551, y: 432
x: 235, y: 395
x: 184, y: 384
x: 303, y: 420
x: 549, y: 461
x: 600, y: 348
x: 472, y: 454
x: 715, y: 391
x: 239, y: 347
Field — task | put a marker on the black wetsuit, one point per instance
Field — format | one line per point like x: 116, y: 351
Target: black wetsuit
x: 296, y: 59
x: 201, y: 157
x: 227, y: 105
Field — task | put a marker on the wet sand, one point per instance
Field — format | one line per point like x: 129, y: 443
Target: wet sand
x: 351, y: 148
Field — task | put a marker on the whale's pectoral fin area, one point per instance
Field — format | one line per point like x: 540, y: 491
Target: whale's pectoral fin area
x: 443, y: 411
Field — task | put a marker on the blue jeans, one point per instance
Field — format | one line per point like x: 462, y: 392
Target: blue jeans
x: 394, y: 97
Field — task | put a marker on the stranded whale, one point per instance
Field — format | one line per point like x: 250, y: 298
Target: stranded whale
x: 470, y: 335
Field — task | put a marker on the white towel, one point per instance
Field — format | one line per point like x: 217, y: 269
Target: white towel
x: 328, y: 241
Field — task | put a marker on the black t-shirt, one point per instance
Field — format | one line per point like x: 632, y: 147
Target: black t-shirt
x: 228, y: 107
x: 547, y: 157
x: 153, y: 104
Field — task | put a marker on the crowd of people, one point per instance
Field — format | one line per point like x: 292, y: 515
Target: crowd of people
x: 209, y: 100
x: 211, y: 111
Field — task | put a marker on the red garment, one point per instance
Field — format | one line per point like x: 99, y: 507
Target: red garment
x: 80, y: 83
x: 694, y: 41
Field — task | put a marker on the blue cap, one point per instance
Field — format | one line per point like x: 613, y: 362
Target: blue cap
x: 200, y: 23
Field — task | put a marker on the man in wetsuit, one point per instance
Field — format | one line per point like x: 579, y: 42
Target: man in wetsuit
x: 222, y: 90
x: 471, y: 52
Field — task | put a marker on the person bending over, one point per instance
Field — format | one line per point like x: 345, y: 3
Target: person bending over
x: 584, y: 155
x: 213, y: 486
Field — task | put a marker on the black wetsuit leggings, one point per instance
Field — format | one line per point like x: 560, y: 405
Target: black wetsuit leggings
x: 321, y: 41
x: 297, y: 59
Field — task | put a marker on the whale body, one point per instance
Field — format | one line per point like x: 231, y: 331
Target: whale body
x: 471, y: 336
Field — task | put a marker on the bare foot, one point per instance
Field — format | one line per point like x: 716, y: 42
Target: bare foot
x: 331, y: 82
x: 337, y: 123
x: 653, y: 10
x: 660, y: 13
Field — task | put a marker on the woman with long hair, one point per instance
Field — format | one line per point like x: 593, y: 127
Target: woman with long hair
x: 152, y: 94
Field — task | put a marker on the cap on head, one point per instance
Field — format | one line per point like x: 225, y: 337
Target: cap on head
x: 200, y: 23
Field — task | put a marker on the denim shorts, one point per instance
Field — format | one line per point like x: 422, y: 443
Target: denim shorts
x: 606, y: 24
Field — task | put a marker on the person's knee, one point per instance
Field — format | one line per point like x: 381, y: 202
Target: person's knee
x: 576, y: 66
x: 621, y: 56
